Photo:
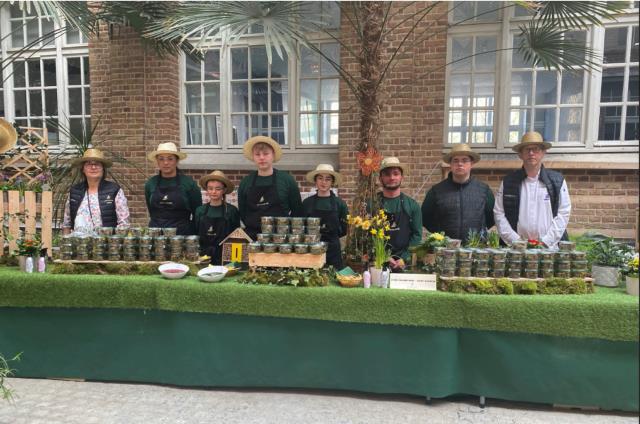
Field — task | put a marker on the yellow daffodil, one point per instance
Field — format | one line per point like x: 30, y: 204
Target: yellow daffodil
x: 373, y: 231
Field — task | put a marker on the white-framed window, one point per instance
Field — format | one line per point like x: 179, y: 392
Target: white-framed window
x: 48, y: 80
x: 577, y: 111
x: 235, y: 93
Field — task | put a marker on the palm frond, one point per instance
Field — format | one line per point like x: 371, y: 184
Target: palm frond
x: 577, y: 14
x: 549, y: 46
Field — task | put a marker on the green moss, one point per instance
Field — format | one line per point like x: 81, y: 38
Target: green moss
x: 482, y: 287
x: 504, y: 285
x: 564, y: 286
x: 525, y: 287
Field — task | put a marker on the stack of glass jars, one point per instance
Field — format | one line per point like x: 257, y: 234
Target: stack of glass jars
x: 115, y: 247
x: 160, y: 248
x: 498, y: 263
x: 99, y: 247
x: 145, y: 244
x: 579, y: 264
x: 176, y: 244
x: 192, y: 248
x: 66, y: 248
x: 129, y: 248
x: 292, y: 235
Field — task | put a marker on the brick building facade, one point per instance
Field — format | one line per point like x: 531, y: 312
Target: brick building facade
x: 136, y: 96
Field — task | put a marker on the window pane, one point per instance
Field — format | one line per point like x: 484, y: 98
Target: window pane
x: 17, y: 34
x: 279, y: 67
x: 212, y: 65
x: 546, y: 87
x: 461, y: 47
x: 572, y: 83
x: 36, y: 123
x: 517, y: 59
x: 331, y: 50
x: 259, y: 96
x: 308, y: 128
x: 279, y: 128
x: 193, y: 98
x: 35, y: 103
x: 612, y: 83
x: 487, y: 11
x: 482, y: 126
x: 20, y: 98
x: 462, y: 10
x: 577, y: 37
x: 16, y: 12
x: 518, y: 124
x: 52, y: 131
x: 330, y: 14
x: 49, y: 68
x: 330, y: 128
x: 634, y: 44
x: 521, y: 88
x: 522, y: 11
x: 483, y: 87
x: 51, y: 102
x: 329, y: 95
x: 545, y: 123
x: 308, y: 95
x: 34, y: 73
x: 73, y: 71
x: 615, y: 44
x: 75, y: 128
x: 73, y: 36
x: 19, y: 79
x: 485, y: 61
x: 609, y: 123
x: 279, y: 96
x: 259, y: 125
x: 632, y: 94
x: 87, y: 100
x: 239, y: 97
x: 47, y: 31
x: 459, y: 91
x: 212, y: 98
x: 240, y: 130
x: 194, y: 130
x: 239, y: 64
x: 85, y: 69
x: 631, y: 127
x: 192, y: 69
x: 75, y: 101
x: 259, y: 62
x: 570, y: 124
x: 309, y: 63
x: 33, y: 30
x: 211, y: 127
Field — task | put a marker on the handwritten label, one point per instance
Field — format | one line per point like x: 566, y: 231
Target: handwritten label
x: 413, y: 281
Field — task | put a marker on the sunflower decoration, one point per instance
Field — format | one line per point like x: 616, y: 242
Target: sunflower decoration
x: 369, y: 161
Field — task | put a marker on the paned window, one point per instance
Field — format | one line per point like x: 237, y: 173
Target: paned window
x: 79, y: 96
x: 202, y: 99
x: 619, y: 89
x: 27, y: 27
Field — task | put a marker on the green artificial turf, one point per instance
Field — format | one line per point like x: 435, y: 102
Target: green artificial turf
x: 608, y: 314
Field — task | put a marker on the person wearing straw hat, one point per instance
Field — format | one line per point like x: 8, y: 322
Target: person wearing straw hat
x: 403, y: 212
x: 460, y: 203
x: 331, y: 210
x: 266, y: 191
x: 94, y: 202
x: 533, y: 202
x: 217, y: 219
x: 172, y: 197
x: 8, y: 136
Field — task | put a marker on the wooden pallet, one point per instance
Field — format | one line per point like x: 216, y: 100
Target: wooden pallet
x: 287, y: 260
x: 31, y: 210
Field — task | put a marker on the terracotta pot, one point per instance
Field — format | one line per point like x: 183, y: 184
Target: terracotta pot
x: 632, y: 285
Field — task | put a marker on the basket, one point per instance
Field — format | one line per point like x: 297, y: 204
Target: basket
x: 350, y: 280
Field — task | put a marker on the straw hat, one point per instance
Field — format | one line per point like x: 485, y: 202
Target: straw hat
x: 217, y: 176
x: 531, y: 138
x: 8, y: 136
x: 393, y: 162
x: 324, y: 168
x: 247, y: 150
x: 462, y: 149
x: 93, y: 155
x: 166, y: 148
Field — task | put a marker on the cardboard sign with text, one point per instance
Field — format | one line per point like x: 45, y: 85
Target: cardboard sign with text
x: 413, y: 281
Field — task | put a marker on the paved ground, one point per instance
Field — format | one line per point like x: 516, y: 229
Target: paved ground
x: 69, y: 402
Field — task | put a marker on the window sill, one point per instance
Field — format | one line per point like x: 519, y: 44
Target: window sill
x: 199, y: 158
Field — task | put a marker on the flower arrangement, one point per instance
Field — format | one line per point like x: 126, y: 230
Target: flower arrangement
x: 29, y: 246
x: 632, y: 266
x: 535, y: 244
x: 430, y: 244
x: 372, y: 234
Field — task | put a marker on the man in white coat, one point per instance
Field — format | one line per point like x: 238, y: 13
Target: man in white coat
x: 533, y: 202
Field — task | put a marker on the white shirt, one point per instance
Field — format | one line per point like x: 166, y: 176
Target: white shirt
x: 535, y: 217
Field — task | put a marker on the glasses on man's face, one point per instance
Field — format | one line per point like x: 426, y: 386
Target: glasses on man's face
x: 532, y: 149
x: 461, y: 161
x: 93, y: 164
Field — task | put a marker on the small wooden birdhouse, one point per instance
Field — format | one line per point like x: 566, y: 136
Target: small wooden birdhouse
x: 234, y: 247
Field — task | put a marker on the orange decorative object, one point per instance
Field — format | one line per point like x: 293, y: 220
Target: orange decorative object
x: 369, y: 161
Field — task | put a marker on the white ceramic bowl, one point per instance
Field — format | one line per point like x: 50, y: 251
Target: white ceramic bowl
x: 165, y: 270
x: 211, y: 274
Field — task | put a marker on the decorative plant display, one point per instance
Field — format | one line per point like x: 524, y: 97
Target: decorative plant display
x: 493, y: 239
x: 289, y: 277
x: 608, y: 252
x: 633, y: 288
x: 474, y: 239
x: 632, y: 266
x: 369, y: 235
x: 29, y: 246
x: 535, y: 244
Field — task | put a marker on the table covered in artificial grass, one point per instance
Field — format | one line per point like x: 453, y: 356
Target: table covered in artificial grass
x: 568, y: 349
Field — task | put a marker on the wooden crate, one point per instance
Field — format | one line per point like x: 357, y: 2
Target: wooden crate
x: 287, y: 260
x: 31, y: 211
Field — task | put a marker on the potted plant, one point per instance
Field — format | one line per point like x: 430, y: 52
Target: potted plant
x: 607, y: 259
x: 28, y: 246
x: 378, y: 227
x: 632, y: 276
x: 427, y: 250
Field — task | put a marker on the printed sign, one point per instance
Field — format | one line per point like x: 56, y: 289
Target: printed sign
x: 413, y: 281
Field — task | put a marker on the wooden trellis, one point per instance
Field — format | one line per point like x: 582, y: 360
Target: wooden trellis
x: 29, y: 210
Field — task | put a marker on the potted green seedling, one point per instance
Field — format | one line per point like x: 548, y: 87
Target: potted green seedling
x: 608, y: 258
